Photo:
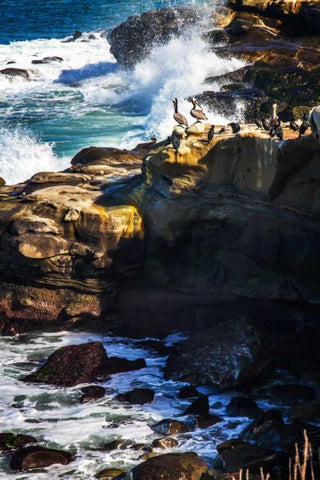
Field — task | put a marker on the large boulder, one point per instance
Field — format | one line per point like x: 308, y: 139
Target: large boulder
x: 171, y: 466
x: 71, y: 365
x: 133, y: 39
x: 28, y: 458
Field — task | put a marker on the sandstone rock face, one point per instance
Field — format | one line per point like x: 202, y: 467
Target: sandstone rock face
x: 133, y: 40
x: 171, y: 466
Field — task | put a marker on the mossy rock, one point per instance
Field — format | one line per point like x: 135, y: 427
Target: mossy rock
x: 12, y: 441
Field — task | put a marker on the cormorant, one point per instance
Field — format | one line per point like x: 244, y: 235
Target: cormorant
x: 266, y: 124
x: 235, y: 127
x: 278, y: 130
x: 179, y: 118
x: 195, y: 113
x: 304, y: 126
x: 294, y: 126
x: 176, y: 140
x: 258, y: 122
x: 211, y: 133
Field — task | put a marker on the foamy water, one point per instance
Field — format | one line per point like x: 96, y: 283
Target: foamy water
x: 55, y: 416
x: 87, y: 99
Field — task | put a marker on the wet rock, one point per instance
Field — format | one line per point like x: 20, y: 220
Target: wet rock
x: 170, y: 427
x: 110, y: 473
x: 206, y: 421
x: 93, y: 392
x: 118, y: 365
x: 46, y: 60
x: 198, y: 406
x: 71, y: 365
x: 138, y: 396
x: 77, y: 34
x: 291, y: 393
x: 171, y: 466
x: 187, y: 392
x: 12, y: 441
x: 309, y: 411
x: 38, y: 457
x: 246, y: 456
x: 266, y: 429
x: 243, y: 407
x: 133, y: 40
x: 225, y: 356
x: 15, y: 72
x: 117, y: 444
x: 165, y: 442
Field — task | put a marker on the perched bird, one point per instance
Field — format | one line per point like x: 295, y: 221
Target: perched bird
x: 176, y: 140
x: 258, y: 122
x: 198, y: 114
x: 294, y: 126
x: 179, y: 118
x: 211, y: 133
x: 274, y: 117
x: 266, y: 124
x: 304, y: 126
x: 235, y: 127
x: 279, y: 130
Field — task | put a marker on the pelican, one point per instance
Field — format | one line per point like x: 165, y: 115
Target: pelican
x: 258, y: 122
x: 274, y: 117
x: 266, y: 124
x: 278, y: 130
x: 198, y: 114
x: 179, y: 118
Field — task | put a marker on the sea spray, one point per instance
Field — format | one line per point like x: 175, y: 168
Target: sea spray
x: 22, y: 155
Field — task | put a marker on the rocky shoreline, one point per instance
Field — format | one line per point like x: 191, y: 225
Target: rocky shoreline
x: 217, y: 238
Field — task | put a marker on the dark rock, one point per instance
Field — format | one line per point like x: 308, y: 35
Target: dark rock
x: 77, y: 34
x: 170, y: 427
x: 267, y: 429
x: 133, y: 40
x: 38, y: 457
x: 291, y: 393
x: 309, y: 411
x: 15, y: 72
x: 116, y: 444
x: 137, y: 396
x: 47, y: 60
x: 198, y: 406
x: 110, y: 473
x: 171, y: 466
x: 71, y: 365
x: 206, y: 421
x: 243, y: 407
x: 187, y: 392
x: 165, y: 442
x: 12, y: 441
x: 224, y: 355
x: 246, y: 456
x: 114, y: 365
x: 93, y: 392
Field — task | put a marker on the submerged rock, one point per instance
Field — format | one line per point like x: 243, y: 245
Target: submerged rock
x: 171, y: 466
x: 38, y: 457
x: 198, y: 406
x: 187, y: 392
x: 93, y: 392
x: 12, y: 441
x: 137, y: 396
x: 110, y: 473
x: 243, y: 407
x: 118, y: 365
x: 15, y: 72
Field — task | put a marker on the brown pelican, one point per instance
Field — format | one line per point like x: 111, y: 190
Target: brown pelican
x: 211, y: 133
x: 274, y: 117
x: 198, y: 114
x: 266, y: 124
x: 258, y: 122
x: 179, y: 118
x: 235, y: 127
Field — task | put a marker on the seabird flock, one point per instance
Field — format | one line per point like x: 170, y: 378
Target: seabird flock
x: 273, y: 126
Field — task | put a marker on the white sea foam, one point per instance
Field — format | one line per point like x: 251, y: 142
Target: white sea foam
x: 22, y: 155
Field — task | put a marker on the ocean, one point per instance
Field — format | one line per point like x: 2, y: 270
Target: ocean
x: 86, y: 98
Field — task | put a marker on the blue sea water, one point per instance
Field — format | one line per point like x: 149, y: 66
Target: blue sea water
x: 87, y: 98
